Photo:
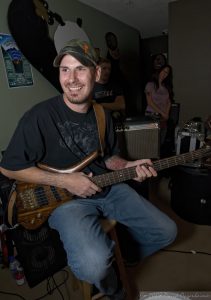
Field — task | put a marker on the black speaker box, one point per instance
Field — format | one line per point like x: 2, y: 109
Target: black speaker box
x: 40, y: 252
x: 191, y: 194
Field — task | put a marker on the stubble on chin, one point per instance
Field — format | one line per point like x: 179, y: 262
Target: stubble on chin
x: 77, y: 101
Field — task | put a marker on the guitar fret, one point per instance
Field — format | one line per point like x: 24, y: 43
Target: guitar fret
x: 114, y: 177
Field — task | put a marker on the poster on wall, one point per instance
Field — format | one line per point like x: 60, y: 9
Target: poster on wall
x: 18, y: 70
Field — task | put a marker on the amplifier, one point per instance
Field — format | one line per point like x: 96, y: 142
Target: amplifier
x: 138, y: 139
x: 40, y: 252
x: 191, y: 194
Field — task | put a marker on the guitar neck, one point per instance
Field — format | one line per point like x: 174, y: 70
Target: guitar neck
x: 165, y: 163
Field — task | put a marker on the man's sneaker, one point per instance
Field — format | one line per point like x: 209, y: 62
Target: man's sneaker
x: 119, y: 295
x: 131, y: 262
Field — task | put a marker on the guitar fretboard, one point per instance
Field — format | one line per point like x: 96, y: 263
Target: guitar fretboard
x: 165, y: 163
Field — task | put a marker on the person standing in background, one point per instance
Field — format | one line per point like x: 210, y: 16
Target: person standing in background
x: 151, y: 65
x: 158, y: 61
x: 113, y: 54
x: 159, y: 95
x: 108, y: 92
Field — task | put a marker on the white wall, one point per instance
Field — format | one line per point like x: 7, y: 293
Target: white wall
x: 190, y: 56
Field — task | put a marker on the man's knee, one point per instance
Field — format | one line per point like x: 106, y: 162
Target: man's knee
x: 94, y: 268
x: 171, y: 232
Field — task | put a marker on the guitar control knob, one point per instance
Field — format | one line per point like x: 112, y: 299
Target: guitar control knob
x: 39, y: 215
x: 32, y: 221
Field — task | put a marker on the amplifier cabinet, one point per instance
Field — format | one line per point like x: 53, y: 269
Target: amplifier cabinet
x: 191, y: 194
x: 138, y: 139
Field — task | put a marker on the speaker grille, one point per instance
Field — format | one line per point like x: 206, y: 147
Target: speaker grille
x: 138, y: 141
x: 40, y: 252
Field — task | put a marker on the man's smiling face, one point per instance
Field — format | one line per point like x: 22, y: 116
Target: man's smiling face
x: 77, y: 80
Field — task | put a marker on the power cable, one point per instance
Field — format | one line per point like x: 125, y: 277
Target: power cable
x: 50, y: 289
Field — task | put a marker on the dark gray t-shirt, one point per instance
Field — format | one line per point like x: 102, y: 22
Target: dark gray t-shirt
x: 106, y: 93
x: 53, y: 134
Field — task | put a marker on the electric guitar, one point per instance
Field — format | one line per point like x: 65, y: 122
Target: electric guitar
x: 35, y: 202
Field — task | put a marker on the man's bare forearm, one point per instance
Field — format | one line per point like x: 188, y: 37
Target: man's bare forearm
x: 77, y: 183
x: 115, y: 162
x: 117, y: 105
x: 35, y: 175
x: 144, y: 167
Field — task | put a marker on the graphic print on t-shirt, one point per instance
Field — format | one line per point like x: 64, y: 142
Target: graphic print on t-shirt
x: 80, y: 138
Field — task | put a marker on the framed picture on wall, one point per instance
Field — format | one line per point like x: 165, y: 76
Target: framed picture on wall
x: 18, y: 70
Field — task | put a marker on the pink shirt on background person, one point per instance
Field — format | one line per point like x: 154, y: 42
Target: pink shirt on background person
x: 160, y: 96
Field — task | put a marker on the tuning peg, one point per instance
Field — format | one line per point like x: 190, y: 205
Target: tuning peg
x: 58, y: 18
x: 50, y: 18
x: 45, y: 4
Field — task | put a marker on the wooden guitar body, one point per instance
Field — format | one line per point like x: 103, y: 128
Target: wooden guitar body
x: 35, y: 203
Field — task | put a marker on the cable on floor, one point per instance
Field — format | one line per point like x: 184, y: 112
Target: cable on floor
x: 187, y: 252
x: 12, y: 294
x: 50, y: 287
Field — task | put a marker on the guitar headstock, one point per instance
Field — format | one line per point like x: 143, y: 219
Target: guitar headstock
x: 41, y: 9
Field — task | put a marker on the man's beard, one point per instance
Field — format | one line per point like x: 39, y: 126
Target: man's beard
x: 77, y: 101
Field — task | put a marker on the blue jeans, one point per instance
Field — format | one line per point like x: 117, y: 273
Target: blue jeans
x: 89, y: 249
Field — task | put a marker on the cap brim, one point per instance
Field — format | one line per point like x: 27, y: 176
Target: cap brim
x: 83, y: 60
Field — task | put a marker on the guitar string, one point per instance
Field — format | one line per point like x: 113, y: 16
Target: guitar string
x: 40, y: 197
x: 183, y: 158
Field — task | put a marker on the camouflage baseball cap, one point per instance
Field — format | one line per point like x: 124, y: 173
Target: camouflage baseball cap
x: 81, y: 50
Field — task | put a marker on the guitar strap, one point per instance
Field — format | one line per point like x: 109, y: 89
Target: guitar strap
x: 11, y: 206
x: 101, y: 125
